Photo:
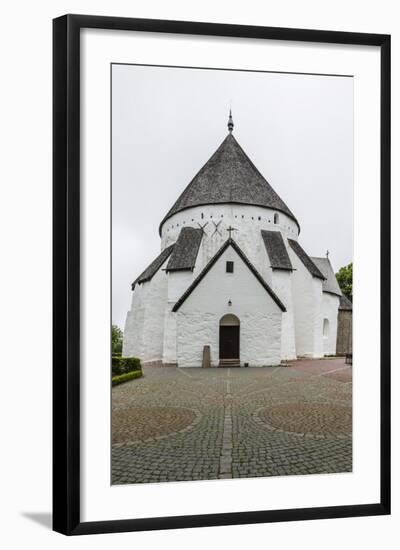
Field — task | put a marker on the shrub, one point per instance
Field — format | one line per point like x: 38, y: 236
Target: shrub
x: 125, y: 377
x: 345, y: 279
x: 116, y: 340
x: 122, y: 365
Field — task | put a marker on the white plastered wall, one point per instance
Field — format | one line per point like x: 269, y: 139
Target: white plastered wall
x: 144, y: 326
x: 307, y: 302
x: 132, y: 345
x: 317, y: 316
x: 282, y: 285
x: 178, y: 282
x: 153, y: 332
x: 330, y: 307
x: 260, y: 317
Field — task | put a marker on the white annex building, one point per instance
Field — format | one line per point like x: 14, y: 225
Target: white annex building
x: 232, y: 284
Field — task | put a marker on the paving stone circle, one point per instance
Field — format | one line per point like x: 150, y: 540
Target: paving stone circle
x: 311, y: 418
x: 142, y: 423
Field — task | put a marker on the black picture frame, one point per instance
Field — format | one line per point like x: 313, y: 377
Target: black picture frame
x: 66, y: 272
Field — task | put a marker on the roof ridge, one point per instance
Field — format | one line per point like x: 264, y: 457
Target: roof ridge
x: 197, y: 174
x: 306, y: 259
x: 148, y: 273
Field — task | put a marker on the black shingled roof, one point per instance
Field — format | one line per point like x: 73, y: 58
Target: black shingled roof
x: 230, y: 177
x: 307, y: 261
x: 186, y: 249
x: 276, y: 250
x: 155, y: 265
x: 235, y: 246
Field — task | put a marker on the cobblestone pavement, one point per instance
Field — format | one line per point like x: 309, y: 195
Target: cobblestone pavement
x: 189, y: 424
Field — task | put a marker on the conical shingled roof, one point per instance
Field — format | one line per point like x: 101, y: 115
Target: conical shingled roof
x: 229, y: 177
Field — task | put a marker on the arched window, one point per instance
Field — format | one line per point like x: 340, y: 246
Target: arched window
x: 276, y: 218
x: 326, y: 328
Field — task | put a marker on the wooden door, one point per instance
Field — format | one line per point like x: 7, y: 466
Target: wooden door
x: 229, y: 342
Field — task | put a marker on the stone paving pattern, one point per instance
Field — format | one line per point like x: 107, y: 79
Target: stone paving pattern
x: 191, y: 424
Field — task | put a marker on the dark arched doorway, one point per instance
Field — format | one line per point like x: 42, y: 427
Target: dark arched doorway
x: 229, y: 341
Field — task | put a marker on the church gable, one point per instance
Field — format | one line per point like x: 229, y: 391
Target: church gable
x: 228, y: 269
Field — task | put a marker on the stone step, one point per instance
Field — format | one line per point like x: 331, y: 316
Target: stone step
x: 229, y: 362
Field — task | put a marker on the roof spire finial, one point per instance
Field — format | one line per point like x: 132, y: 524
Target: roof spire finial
x: 230, y: 121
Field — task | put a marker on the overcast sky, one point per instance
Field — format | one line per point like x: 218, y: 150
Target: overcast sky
x: 167, y: 122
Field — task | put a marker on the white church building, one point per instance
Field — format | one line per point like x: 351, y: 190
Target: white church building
x: 232, y: 282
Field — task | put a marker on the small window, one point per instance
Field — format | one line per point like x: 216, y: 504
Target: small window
x: 229, y: 267
x: 276, y: 218
x: 326, y: 328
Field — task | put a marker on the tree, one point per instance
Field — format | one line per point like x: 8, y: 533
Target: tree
x: 116, y: 340
x: 345, y: 279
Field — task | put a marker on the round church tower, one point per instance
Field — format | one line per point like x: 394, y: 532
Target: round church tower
x: 229, y: 197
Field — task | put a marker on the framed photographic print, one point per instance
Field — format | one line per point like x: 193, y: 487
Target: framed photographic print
x: 221, y: 274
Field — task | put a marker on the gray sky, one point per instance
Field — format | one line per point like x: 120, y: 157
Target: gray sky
x: 167, y: 122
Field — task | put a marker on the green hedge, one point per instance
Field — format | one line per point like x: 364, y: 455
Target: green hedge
x: 125, y: 377
x: 122, y: 365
